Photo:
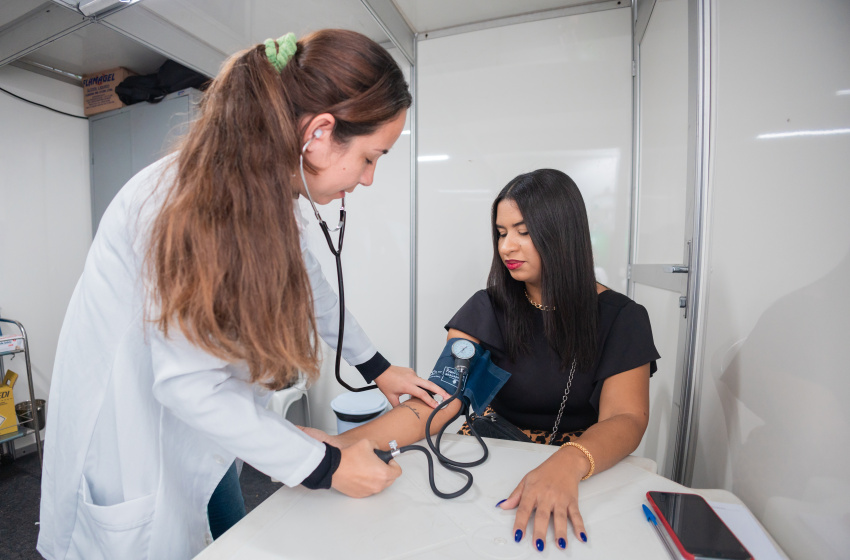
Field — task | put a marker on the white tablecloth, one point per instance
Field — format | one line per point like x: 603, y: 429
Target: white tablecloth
x: 408, y: 521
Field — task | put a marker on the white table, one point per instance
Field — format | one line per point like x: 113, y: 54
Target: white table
x: 408, y: 521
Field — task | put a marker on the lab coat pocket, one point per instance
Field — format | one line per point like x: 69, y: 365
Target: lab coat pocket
x: 118, y: 531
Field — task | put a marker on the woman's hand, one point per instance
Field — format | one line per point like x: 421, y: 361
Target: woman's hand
x: 397, y: 381
x: 361, y: 473
x: 552, y: 490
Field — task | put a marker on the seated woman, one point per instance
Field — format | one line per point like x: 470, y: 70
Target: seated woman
x: 580, y: 355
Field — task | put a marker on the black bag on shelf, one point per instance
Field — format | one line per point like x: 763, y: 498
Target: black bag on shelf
x: 170, y: 77
x: 174, y: 77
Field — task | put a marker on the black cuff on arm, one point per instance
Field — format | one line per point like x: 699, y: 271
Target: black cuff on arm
x: 320, y: 478
x: 374, y: 367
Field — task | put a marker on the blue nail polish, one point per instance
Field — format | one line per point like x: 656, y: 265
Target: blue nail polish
x: 502, y: 502
x: 583, y: 537
x: 518, y: 535
x: 562, y: 543
x: 540, y: 545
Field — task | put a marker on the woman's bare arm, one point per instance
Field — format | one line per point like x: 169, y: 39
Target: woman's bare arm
x: 552, y: 488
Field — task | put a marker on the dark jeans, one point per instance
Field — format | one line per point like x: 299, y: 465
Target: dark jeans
x: 226, y: 505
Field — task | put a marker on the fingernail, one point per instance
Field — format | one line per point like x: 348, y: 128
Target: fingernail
x: 540, y: 545
x: 562, y: 543
x: 502, y: 502
x: 583, y: 537
x: 518, y: 535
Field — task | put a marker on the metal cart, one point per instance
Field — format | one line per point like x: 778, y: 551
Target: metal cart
x: 36, y: 424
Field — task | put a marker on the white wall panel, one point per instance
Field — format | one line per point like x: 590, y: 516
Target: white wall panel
x: 664, y: 135
x: 45, y: 213
x: 662, y: 184
x: 376, y: 268
x: 504, y: 101
x: 663, y: 309
x: 774, y: 422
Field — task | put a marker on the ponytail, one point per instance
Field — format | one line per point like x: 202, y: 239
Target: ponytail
x: 224, y: 255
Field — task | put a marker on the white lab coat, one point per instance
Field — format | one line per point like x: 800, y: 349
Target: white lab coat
x: 140, y: 429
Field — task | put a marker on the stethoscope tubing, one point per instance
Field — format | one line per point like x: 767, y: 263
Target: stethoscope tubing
x: 450, y: 464
x: 437, y: 492
x: 337, y: 253
x: 435, y: 447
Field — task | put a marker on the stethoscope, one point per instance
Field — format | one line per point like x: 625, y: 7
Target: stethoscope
x: 462, y: 350
x: 337, y: 252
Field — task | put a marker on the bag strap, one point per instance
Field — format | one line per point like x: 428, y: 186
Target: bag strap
x: 563, y: 402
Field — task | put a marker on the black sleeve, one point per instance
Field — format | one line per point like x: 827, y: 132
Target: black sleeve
x: 373, y: 367
x: 628, y: 345
x: 321, y: 476
x: 477, y: 318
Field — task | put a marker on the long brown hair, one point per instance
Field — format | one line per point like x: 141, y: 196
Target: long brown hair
x: 224, y: 254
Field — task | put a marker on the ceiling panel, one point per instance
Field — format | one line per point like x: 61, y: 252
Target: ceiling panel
x: 222, y: 26
x: 94, y: 48
x: 430, y: 15
x: 11, y: 10
x: 231, y: 26
x: 217, y: 28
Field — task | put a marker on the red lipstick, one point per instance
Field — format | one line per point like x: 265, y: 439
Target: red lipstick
x: 513, y: 265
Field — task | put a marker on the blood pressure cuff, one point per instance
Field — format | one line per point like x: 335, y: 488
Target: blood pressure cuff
x: 483, y: 380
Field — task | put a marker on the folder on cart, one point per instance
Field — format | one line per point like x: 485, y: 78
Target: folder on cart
x: 8, y: 417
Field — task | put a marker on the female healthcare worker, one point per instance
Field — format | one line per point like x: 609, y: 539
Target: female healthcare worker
x: 198, y: 297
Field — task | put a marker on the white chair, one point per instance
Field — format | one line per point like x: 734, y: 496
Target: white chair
x: 283, y: 399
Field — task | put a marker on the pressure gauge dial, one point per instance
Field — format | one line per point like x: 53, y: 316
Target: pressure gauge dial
x: 463, y: 349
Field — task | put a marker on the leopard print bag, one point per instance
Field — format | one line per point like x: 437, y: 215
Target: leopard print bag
x: 491, y: 425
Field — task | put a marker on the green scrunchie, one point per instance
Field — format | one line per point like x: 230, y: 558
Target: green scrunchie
x: 279, y: 52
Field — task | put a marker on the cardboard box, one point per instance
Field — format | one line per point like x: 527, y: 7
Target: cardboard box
x: 99, y: 90
x: 8, y: 417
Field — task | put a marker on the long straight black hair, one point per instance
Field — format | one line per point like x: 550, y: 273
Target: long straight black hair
x: 554, y: 213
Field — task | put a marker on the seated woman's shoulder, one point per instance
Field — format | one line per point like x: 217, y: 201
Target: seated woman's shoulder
x: 478, y: 302
x: 608, y: 296
x: 482, y: 299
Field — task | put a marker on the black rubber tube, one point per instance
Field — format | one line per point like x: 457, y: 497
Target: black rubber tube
x: 445, y: 461
x: 337, y: 252
x: 444, y: 495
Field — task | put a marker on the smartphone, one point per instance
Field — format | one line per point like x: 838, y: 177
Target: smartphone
x: 694, y: 528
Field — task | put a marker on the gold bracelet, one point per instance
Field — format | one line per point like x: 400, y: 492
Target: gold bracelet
x: 586, y: 454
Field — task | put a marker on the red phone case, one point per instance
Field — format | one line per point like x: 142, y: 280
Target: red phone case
x: 669, y: 530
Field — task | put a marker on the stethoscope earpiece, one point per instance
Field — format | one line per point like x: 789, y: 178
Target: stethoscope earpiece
x: 341, y: 225
x: 316, y: 134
